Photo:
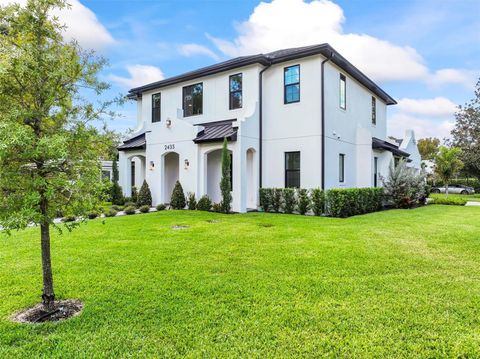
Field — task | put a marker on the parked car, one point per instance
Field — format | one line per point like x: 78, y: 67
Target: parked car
x: 454, y: 188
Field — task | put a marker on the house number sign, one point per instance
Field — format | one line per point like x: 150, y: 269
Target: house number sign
x: 170, y: 147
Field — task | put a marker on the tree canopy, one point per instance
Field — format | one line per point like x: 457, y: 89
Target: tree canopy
x: 428, y: 147
x: 448, y: 164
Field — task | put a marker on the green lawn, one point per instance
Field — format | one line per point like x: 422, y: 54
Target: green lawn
x: 400, y: 283
x: 467, y: 197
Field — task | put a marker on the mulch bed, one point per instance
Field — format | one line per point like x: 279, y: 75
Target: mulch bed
x: 64, y: 309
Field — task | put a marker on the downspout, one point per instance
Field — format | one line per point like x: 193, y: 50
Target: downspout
x: 260, y: 124
x: 323, y: 119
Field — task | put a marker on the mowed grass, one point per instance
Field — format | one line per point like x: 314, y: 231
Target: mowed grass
x: 466, y: 197
x: 399, y: 283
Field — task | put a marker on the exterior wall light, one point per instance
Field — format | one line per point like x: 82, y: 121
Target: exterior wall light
x: 168, y: 122
x: 187, y: 164
x: 152, y: 165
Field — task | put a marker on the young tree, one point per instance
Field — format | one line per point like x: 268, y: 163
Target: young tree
x: 144, y: 196
x: 466, y: 134
x: 48, y: 148
x: 448, y: 164
x: 178, y: 197
x: 226, y: 181
x: 116, y: 192
x: 428, y: 147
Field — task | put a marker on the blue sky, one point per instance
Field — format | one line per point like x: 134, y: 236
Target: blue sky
x: 426, y: 54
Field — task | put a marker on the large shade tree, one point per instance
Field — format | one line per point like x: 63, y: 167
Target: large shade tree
x: 428, y: 147
x: 49, y: 147
x: 466, y: 133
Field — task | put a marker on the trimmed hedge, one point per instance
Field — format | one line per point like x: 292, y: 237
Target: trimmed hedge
x: 450, y: 200
x: 334, y: 202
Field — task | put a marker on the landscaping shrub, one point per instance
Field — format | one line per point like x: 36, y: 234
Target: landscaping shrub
x: 161, y: 207
x: 204, y: 203
x: 303, y: 201
x: 129, y: 204
x: 276, y: 199
x: 178, y: 197
x: 93, y: 215
x: 318, y: 201
x: 289, y: 200
x: 218, y: 207
x: 226, y: 181
x: 352, y: 201
x: 117, y: 207
x: 129, y: 210
x: 191, y: 201
x: 111, y: 213
x: 144, y: 196
x: 266, y: 196
x: 144, y: 209
x: 69, y: 219
x: 404, y: 187
x: 134, y: 197
x: 450, y: 200
x: 116, y: 194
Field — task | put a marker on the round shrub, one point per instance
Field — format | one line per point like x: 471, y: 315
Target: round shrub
x: 93, y: 215
x: 217, y: 207
x: 117, y: 207
x: 129, y: 204
x: 144, y: 209
x: 68, y: 219
x: 129, y: 210
x: 161, y: 207
x: 111, y: 213
x: 204, y: 203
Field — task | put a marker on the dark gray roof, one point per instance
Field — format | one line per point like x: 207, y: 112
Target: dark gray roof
x: 387, y: 146
x: 216, y: 131
x: 272, y: 58
x: 137, y: 142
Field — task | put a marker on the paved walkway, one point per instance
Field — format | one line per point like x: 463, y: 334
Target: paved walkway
x: 472, y: 203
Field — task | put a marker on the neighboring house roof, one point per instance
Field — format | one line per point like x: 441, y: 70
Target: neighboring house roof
x: 268, y: 59
x: 387, y: 146
x: 398, y: 141
x: 216, y: 131
x: 137, y: 142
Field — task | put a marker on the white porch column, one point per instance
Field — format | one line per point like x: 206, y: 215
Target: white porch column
x: 124, y: 173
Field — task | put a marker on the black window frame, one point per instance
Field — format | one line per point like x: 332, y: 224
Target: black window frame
x: 341, y: 167
x: 343, y: 79
x: 375, y: 171
x: 231, y: 93
x: 157, y: 110
x: 184, y: 90
x: 285, y: 69
x: 374, y: 111
x: 287, y: 170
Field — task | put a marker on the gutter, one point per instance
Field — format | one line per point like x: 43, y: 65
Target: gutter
x: 260, y: 123
x: 323, y: 118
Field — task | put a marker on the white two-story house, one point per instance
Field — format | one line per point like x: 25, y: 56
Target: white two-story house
x: 302, y: 117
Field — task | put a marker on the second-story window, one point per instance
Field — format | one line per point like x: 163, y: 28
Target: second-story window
x: 374, y: 111
x: 291, y: 79
x: 193, y: 100
x: 236, y: 95
x: 343, y: 92
x: 156, y: 107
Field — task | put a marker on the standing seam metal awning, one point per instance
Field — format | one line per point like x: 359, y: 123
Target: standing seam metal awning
x: 137, y: 142
x: 387, y: 146
x: 216, y: 131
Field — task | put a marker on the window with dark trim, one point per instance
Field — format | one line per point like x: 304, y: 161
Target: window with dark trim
x: 375, y: 171
x: 156, y: 107
x: 132, y: 173
x: 193, y: 100
x: 231, y: 172
x: 374, y: 111
x: 291, y: 77
x: 343, y: 92
x: 292, y: 169
x: 341, y: 168
x: 235, y: 89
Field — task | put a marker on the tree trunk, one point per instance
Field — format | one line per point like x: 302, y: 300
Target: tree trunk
x: 446, y: 190
x: 48, y: 296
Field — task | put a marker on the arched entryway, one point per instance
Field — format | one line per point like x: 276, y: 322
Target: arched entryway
x: 135, y: 172
x: 171, y: 170
x: 214, y: 174
x: 251, y: 178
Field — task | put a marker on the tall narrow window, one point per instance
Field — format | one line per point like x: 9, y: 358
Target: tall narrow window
x: 341, y: 168
x: 291, y: 91
x: 343, y: 92
x: 193, y: 100
x: 292, y: 169
x: 132, y: 178
x: 374, y: 111
x: 375, y: 171
x: 236, y: 95
x: 156, y: 106
x: 231, y: 172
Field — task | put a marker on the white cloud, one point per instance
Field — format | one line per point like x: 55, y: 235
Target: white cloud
x: 445, y: 76
x: 423, y: 127
x: 192, y: 49
x: 139, y: 75
x: 437, y: 107
x: 82, y: 25
x: 292, y: 23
